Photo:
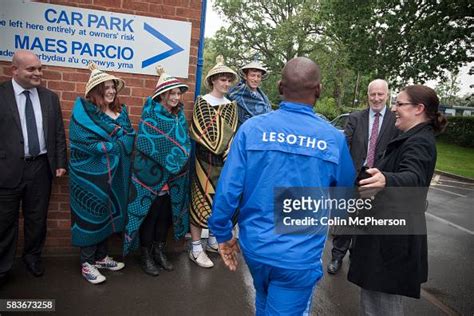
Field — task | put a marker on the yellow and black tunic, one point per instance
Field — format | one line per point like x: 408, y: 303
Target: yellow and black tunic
x: 213, y: 128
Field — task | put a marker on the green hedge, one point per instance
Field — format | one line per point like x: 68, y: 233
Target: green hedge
x: 460, y: 131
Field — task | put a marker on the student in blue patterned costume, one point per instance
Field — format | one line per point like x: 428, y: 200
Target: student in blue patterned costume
x: 101, y: 139
x: 159, y: 194
x: 250, y: 98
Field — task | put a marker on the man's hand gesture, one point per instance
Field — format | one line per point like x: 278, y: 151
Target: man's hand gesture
x: 228, y: 251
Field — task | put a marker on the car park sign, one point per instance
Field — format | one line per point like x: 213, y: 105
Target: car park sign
x: 71, y: 37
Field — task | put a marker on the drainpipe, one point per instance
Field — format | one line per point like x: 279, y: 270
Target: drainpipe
x: 200, y: 59
x: 200, y: 63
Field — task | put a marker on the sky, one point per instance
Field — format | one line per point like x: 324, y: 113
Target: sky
x: 214, y: 22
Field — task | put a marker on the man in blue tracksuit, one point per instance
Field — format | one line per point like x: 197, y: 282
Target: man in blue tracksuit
x: 290, y: 147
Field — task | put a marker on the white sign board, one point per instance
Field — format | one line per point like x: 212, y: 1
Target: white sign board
x: 71, y: 37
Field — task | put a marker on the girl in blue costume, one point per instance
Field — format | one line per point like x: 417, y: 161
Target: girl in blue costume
x: 101, y: 139
x: 159, y: 194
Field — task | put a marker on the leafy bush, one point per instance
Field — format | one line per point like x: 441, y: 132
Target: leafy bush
x: 327, y: 107
x: 347, y: 109
x: 460, y: 131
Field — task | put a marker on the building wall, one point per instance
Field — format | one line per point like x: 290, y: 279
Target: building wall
x: 69, y: 83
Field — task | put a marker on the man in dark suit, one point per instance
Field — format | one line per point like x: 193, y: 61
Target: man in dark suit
x: 368, y: 132
x: 32, y: 153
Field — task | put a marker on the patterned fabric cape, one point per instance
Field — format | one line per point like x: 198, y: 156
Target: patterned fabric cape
x: 101, y: 150
x: 250, y: 103
x: 213, y: 128
x: 162, y: 155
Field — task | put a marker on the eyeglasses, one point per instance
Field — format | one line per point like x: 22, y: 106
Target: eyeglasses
x: 399, y: 104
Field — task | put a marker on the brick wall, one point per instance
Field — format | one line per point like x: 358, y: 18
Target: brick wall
x: 69, y: 83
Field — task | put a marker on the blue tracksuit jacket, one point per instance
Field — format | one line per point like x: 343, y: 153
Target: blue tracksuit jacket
x: 289, y: 147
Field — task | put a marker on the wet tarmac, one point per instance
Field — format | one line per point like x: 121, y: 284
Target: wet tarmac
x: 191, y: 290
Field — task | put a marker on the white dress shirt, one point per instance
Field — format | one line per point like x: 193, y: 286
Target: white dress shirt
x: 212, y: 100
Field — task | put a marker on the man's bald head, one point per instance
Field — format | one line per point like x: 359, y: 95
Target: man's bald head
x: 26, y: 69
x: 377, y: 92
x: 24, y: 56
x: 300, y: 81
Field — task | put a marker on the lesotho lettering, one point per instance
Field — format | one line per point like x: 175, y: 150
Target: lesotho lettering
x: 292, y: 139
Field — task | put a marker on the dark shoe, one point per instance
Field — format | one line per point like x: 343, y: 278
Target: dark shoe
x: 3, y: 279
x: 147, y: 263
x: 334, y: 266
x: 35, y: 267
x: 160, y: 257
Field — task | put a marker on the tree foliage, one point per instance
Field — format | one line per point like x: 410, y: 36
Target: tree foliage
x: 402, y: 40
x: 448, y: 88
x: 210, y: 54
x: 353, y: 41
x: 275, y: 30
x: 278, y: 30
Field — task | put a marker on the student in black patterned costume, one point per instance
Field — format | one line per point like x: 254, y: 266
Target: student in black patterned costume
x: 213, y: 126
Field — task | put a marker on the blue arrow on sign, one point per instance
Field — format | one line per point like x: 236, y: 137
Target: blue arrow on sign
x: 175, y: 48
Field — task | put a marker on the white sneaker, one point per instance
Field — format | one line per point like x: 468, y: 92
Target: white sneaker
x: 212, y: 247
x: 201, y: 259
x: 236, y: 231
x: 110, y: 264
x: 91, y: 274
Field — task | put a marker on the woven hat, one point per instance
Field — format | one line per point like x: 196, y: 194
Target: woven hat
x: 219, y: 68
x: 99, y: 76
x: 167, y: 82
x: 254, y: 64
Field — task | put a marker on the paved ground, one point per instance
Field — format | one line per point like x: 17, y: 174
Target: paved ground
x: 450, y: 220
x: 191, y: 290
x: 187, y: 291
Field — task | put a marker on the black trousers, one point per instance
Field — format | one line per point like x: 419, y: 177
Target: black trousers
x: 157, y: 222
x: 91, y: 254
x: 32, y: 194
x: 340, y: 245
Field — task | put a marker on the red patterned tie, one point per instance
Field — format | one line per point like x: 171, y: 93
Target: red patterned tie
x: 373, y: 141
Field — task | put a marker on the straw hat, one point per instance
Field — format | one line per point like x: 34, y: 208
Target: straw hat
x: 219, y: 68
x: 254, y: 64
x: 99, y: 76
x: 167, y: 82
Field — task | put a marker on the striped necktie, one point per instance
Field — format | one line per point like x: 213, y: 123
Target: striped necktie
x: 373, y: 141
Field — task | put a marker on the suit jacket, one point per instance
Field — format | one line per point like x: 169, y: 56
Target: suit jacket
x: 357, y: 133
x: 11, y: 140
